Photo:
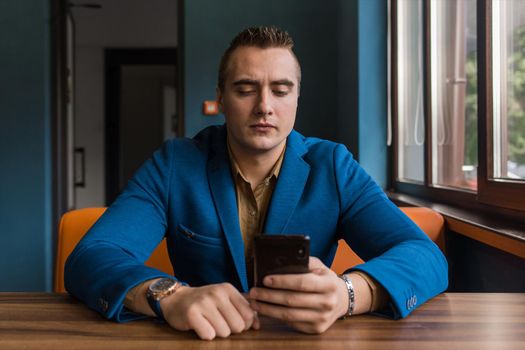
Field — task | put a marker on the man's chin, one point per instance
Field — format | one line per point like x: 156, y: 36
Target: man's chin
x: 262, y: 147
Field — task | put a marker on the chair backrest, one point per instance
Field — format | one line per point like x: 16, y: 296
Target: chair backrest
x: 430, y: 221
x: 76, y: 223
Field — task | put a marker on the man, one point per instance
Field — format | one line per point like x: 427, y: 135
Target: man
x: 209, y: 196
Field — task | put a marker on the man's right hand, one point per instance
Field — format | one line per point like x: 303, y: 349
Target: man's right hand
x: 216, y: 310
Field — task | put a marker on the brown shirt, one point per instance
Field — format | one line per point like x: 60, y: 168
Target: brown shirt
x: 252, y: 205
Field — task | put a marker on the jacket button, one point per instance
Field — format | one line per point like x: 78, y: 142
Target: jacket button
x: 412, y: 302
x: 102, y: 304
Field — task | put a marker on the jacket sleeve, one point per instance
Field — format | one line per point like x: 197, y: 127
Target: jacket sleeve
x: 397, y: 254
x: 109, y: 260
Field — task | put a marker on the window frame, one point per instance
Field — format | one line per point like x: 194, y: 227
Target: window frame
x: 503, y: 192
x: 492, y: 195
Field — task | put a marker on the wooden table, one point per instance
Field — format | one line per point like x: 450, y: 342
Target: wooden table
x: 450, y: 321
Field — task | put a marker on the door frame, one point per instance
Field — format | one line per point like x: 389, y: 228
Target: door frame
x: 58, y: 68
x: 59, y: 124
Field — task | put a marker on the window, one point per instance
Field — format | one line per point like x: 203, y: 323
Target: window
x: 508, y: 76
x: 453, y: 60
x: 411, y: 130
x: 458, y: 86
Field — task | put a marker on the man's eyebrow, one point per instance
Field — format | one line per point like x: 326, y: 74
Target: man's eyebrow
x: 285, y: 82
x: 245, y: 82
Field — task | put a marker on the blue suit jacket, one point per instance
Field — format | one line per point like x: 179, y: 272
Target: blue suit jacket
x: 185, y: 193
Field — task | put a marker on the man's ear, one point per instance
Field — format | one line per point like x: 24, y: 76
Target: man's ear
x: 218, y: 94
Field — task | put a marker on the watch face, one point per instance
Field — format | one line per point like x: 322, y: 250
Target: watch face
x: 162, y: 286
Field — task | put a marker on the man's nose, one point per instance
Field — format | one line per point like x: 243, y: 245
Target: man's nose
x: 264, y: 104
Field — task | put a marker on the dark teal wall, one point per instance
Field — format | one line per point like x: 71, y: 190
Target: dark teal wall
x: 372, y: 97
x: 362, y: 90
x: 209, y: 27
x: 25, y: 165
x: 347, y: 82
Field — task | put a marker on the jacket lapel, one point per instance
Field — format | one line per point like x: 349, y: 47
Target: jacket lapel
x: 290, y: 185
x: 223, y: 192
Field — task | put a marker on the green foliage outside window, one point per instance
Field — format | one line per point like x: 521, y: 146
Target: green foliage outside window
x: 516, y: 101
x: 471, y: 110
x: 515, y: 104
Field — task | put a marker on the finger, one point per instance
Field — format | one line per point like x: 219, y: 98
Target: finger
x: 202, y: 327
x: 256, y: 322
x: 286, y: 314
x: 233, y: 317
x: 242, y: 306
x: 288, y: 298
x: 315, y: 263
x: 302, y: 282
x: 217, y: 321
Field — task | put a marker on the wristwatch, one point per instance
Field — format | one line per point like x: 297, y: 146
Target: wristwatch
x: 159, y: 290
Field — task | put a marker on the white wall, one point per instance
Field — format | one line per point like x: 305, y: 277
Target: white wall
x: 89, y: 123
x: 120, y: 23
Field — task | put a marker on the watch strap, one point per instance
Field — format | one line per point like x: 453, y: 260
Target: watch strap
x: 159, y: 290
x: 154, y: 304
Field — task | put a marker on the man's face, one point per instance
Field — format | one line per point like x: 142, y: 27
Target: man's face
x: 259, y: 99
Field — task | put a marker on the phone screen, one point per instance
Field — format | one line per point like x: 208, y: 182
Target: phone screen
x: 280, y: 254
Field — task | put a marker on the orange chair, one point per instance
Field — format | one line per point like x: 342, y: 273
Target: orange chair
x: 76, y: 223
x: 430, y: 221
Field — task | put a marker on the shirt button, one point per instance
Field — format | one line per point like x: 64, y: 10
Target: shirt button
x: 252, y: 212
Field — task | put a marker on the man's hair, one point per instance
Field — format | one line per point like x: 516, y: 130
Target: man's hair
x: 262, y: 37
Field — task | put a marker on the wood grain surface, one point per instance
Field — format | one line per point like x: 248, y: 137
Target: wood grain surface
x: 449, y: 321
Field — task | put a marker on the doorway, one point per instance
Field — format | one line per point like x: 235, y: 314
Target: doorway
x: 140, y: 107
x: 136, y: 38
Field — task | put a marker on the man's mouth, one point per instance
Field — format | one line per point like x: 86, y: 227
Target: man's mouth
x: 262, y: 126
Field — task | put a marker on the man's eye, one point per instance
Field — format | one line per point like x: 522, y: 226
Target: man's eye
x: 280, y: 93
x: 245, y: 92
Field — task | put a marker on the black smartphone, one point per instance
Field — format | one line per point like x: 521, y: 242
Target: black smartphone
x: 280, y: 254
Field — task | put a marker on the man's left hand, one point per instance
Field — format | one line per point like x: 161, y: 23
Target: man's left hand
x: 309, y: 302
